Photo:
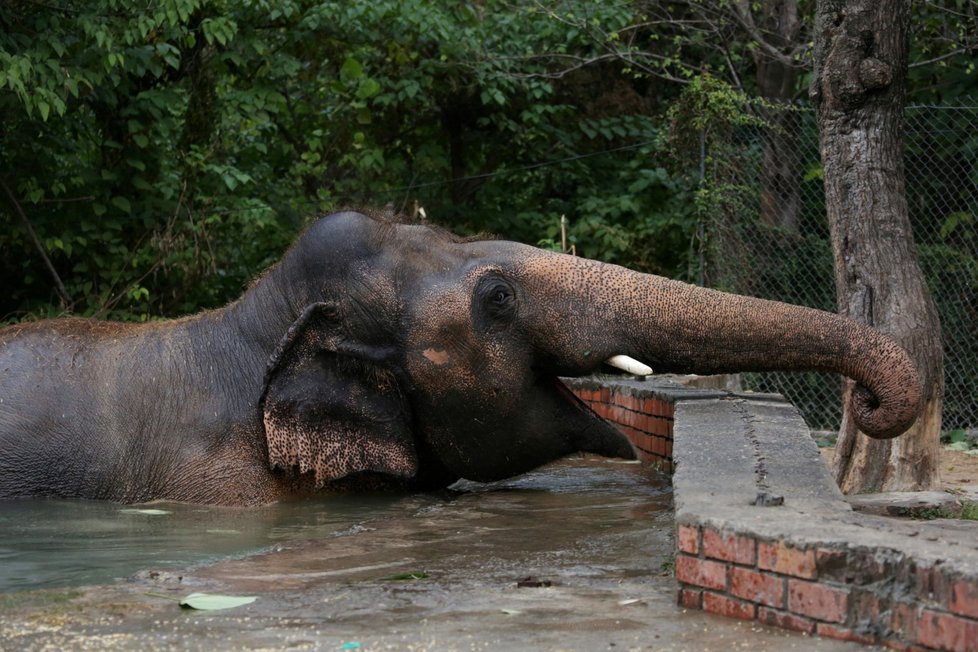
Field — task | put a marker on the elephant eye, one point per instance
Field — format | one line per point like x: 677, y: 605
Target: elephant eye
x: 501, y: 296
x: 497, y: 298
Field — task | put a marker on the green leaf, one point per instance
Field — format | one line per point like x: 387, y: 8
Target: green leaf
x: 351, y: 70
x: 368, y: 88
x: 44, y: 109
x: 956, y: 435
x: 122, y: 204
x: 210, y: 602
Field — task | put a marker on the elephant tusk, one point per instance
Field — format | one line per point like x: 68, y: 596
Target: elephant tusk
x: 630, y: 365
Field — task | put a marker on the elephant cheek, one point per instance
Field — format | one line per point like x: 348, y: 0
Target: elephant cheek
x: 501, y: 435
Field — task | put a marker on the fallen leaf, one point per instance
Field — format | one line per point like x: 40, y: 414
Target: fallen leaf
x: 511, y: 612
x: 207, y: 601
x: 147, y: 512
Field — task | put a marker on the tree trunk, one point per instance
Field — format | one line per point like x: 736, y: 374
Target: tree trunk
x: 858, y: 87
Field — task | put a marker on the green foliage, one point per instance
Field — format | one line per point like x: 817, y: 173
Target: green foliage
x: 165, y: 153
x: 941, y: 69
x: 124, y: 188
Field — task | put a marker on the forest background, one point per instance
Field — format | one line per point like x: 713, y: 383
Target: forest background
x: 156, y: 156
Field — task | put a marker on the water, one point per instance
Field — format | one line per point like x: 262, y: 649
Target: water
x: 57, y: 543
x: 575, y: 556
x: 54, y: 543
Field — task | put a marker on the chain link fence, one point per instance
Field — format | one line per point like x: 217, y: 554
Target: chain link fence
x: 764, y: 233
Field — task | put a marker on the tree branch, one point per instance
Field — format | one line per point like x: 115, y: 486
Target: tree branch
x: 58, y: 285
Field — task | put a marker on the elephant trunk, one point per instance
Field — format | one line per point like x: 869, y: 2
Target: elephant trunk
x: 681, y: 328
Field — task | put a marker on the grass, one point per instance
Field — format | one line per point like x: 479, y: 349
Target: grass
x: 969, y: 510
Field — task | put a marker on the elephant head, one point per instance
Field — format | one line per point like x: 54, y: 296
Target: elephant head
x: 419, y: 354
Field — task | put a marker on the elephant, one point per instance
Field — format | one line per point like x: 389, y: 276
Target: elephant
x: 380, y: 353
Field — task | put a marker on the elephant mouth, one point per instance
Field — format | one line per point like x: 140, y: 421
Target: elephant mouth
x: 587, y: 431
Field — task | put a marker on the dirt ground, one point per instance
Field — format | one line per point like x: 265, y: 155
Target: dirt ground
x: 958, y: 469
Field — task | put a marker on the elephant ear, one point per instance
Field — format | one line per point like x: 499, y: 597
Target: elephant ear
x: 330, y: 413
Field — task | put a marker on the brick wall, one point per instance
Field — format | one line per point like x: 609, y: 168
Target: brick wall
x: 839, y: 588
x: 826, y: 591
x: 645, y: 419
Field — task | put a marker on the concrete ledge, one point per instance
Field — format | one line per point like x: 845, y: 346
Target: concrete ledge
x: 764, y: 534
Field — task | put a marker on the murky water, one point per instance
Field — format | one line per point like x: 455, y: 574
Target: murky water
x: 575, y: 556
x: 47, y: 543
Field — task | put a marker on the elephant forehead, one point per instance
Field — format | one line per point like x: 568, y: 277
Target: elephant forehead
x: 368, y: 295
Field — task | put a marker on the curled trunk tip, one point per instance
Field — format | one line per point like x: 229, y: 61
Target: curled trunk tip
x: 887, y: 408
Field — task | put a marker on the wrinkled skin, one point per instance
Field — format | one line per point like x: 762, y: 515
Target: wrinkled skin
x: 386, y: 354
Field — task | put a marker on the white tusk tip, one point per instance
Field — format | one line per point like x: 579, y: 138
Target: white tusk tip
x: 630, y: 365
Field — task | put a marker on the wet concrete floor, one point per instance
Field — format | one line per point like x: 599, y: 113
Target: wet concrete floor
x: 576, y: 556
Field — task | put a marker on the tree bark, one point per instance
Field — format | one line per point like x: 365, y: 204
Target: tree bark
x: 861, y: 49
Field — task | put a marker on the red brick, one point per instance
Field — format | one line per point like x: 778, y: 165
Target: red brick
x: 865, y: 606
x: 624, y: 400
x: 903, y: 647
x: 787, y: 560
x: 728, y: 547
x: 903, y: 620
x: 659, y: 427
x: 843, y: 633
x: 647, y: 458
x: 643, y: 423
x: 764, y: 588
x: 687, y: 539
x: 831, y: 563
x: 650, y: 405
x: 636, y: 420
x: 817, y: 601
x: 668, y: 452
x: 640, y: 439
x: 946, y: 632
x: 964, y: 598
x: 620, y: 415
x: 724, y: 606
x: 604, y: 394
x: 627, y: 417
x: 658, y: 446
x: 701, y: 572
x: 784, y: 620
x: 690, y: 598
